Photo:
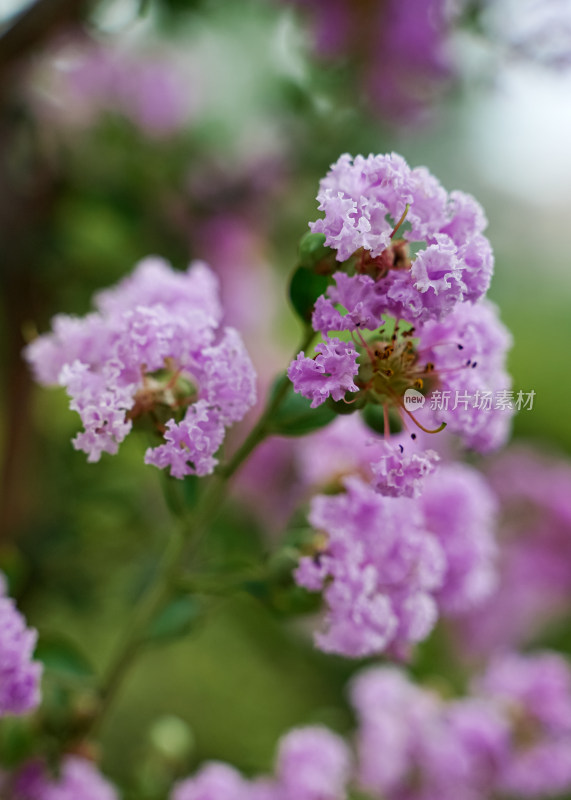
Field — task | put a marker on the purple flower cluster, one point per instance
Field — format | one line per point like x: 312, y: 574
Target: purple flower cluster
x: 534, y: 692
x: 468, y: 350
x: 19, y: 675
x: 379, y: 571
x: 364, y: 199
x: 459, y: 507
x: 402, y: 47
x: 409, y: 301
x: 329, y: 374
x: 78, y: 780
x: 312, y: 764
x: 431, y: 749
x: 397, y: 474
x: 388, y: 565
x: 86, y: 80
x: 510, y: 738
x: 534, y: 586
x: 153, y: 348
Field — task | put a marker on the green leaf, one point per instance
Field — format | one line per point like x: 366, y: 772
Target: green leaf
x: 342, y: 408
x: 304, y: 289
x: 314, y: 254
x: 62, y: 658
x: 295, y: 417
x: 175, y: 620
x: 293, y: 600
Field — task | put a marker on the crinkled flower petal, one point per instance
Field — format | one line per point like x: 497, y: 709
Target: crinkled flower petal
x: 399, y: 474
x: 19, y: 675
x: 329, y: 374
x: 190, y: 444
x: 379, y: 572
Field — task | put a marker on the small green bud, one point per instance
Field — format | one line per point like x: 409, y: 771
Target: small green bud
x: 172, y: 738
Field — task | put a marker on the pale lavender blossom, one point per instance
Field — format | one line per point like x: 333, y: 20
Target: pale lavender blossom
x: 19, y: 674
x: 413, y: 745
x: 393, y: 715
x: 200, y: 433
x: 434, y: 332
x: 379, y: 570
x: 401, y: 48
x: 468, y: 351
x: 358, y: 295
x: 86, y: 80
x: 345, y: 447
x: 460, y: 509
x: 534, y: 566
x: 312, y: 764
x: 153, y: 347
x: 78, y: 779
x: 329, y: 374
x: 397, y: 473
x: 213, y: 781
x: 458, y: 363
x: 535, y: 694
x: 534, y: 492
x: 410, y: 64
x: 364, y: 200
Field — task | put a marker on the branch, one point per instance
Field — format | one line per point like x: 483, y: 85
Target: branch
x: 35, y: 25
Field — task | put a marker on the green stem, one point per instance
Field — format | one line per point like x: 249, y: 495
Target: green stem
x: 262, y: 429
x: 145, y: 611
x: 176, y: 550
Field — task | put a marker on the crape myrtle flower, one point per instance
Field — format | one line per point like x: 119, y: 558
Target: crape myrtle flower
x: 402, y: 49
x: 328, y: 374
x: 154, y: 349
x: 407, y: 304
x: 347, y: 446
x: 83, y: 81
x: 388, y: 566
x: 395, y: 466
x: 397, y: 474
x: 467, y: 352
x: 78, y: 778
x: 312, y: 764
x: 534, y: 692
x: 215, y: 780
x: 460, y: 509
x: 413, y: 745
x: 455, y: 364
x: 534, y: 565
x: 378, y: 568
x: 19, y: 675
x: 375, y: 209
